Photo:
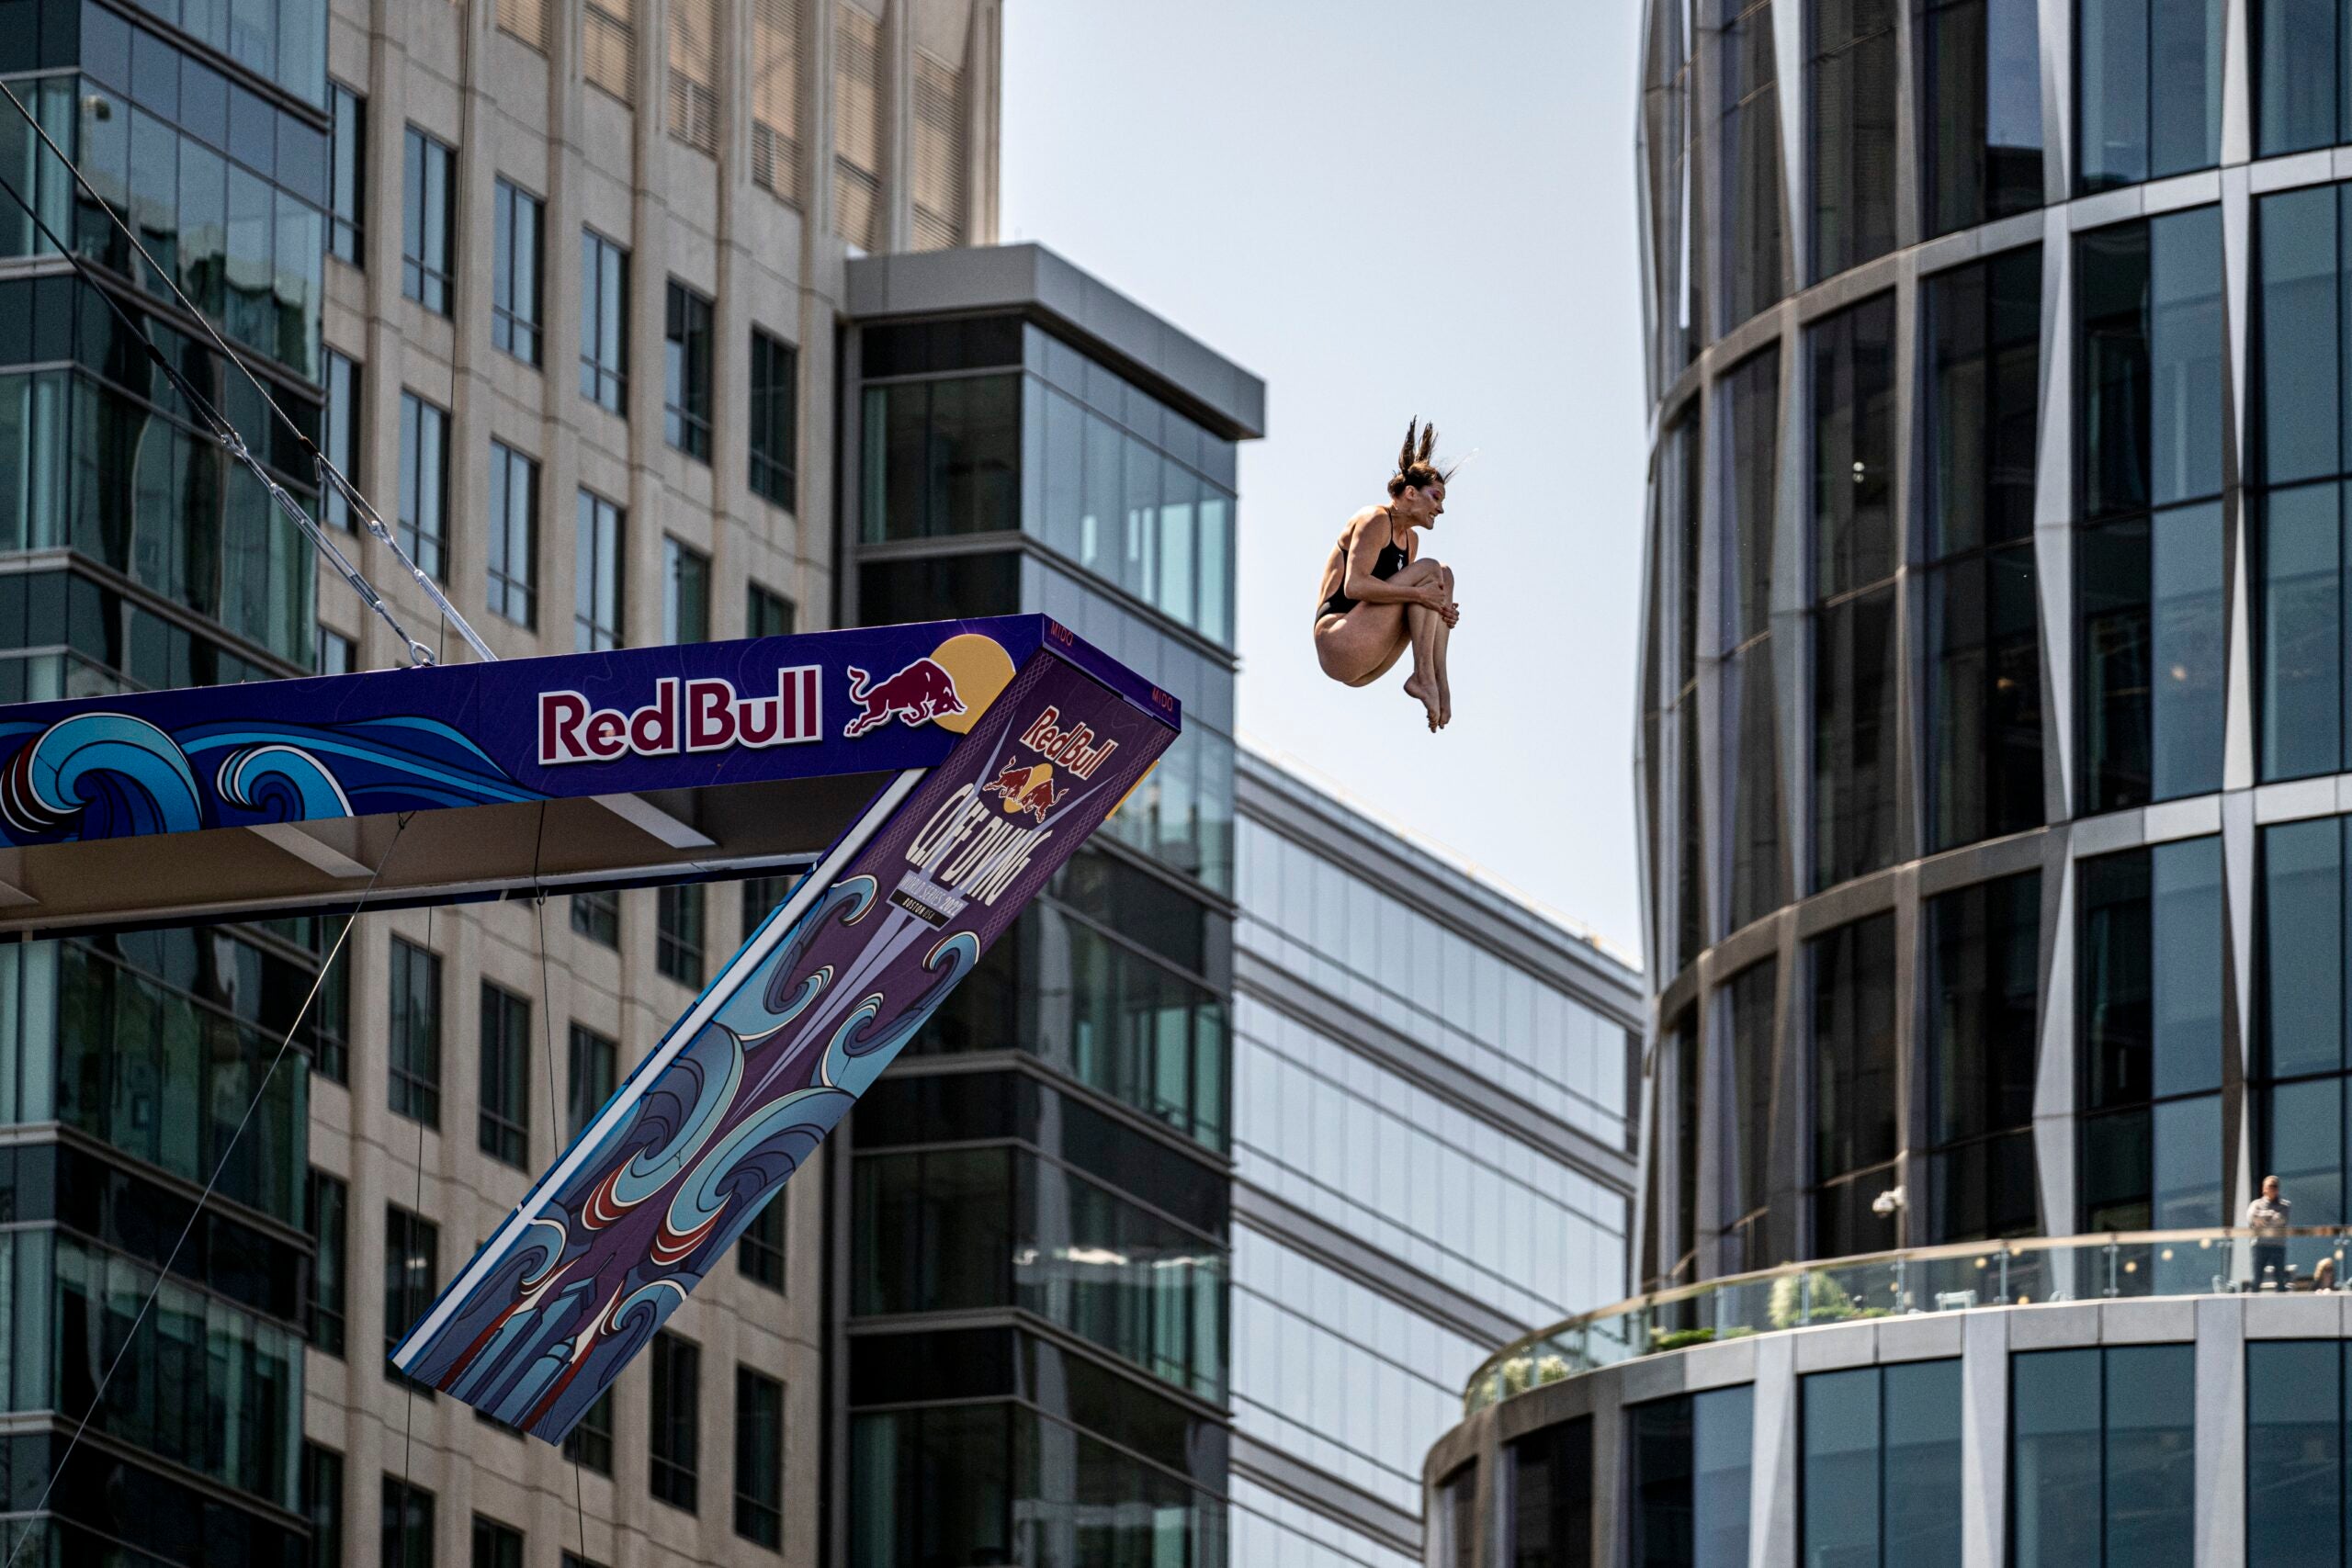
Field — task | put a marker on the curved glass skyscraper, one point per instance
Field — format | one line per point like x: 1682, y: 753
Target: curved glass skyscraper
x: 1993, y: 698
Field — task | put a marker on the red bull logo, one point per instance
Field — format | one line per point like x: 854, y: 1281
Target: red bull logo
x: 921, y: 693
x: 1026, y: 789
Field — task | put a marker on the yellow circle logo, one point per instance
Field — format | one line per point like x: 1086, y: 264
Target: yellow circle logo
x: 980, y: 669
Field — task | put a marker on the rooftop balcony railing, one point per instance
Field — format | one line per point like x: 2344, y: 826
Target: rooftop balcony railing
x: 2116, y: 1265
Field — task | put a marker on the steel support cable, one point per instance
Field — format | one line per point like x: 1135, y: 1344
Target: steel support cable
x: 227, y: 434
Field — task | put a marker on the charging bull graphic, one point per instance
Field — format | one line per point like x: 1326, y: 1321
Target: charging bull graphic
x: 1029, y: 789
x: 924, y: 691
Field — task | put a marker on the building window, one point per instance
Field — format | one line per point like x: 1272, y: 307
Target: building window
x: 1983, y: 990
x: 861, y: 125
x: 603, y: 320
x: 2294, y: 1449
x: 1881, y: 1455
x: 337, y: 655
x: 608, y: 47
x: 1749, y: 140
x: 527, y: 21
x: 519, y: 222
x: 1454, y: 1524
x: 775, y: 97
x: 514, y: 535
x: 2301, y: 1059
x: 678, y: 934
x: 1689, y: 1459
x: 1984, y: 740
x: 2300, y: 101
x: 339, y: 430
x: 594, y: 1074
x: 428, y: 221
x: 1980, y: 118
x: 2149, y: 556
x: 673, y: 1438
x: 2103, y: 1457
x: 416, y: 1033
x: 758, y: 1459
x: 1855, y: 550
x: 2302, y: 459
x: 496, y: 1545
x: 408, y: 1525
x: 425, y: 484
x: 766, y: 612
x: 1679, y: 1067
x: 322, y: 1504
x: 347, y: 177
x: 762, y: 896
x: 411, y: 1274
x: 597, y: 581
x: 759, y: 1256
x: 943, y: 457
x: 694, y: 72
x: 1851, y: 78
x: 329, y: 1208
x: 1745, y: 1117
x: 685, y: 600
x: 2148, y: 87
x: 1855, y: 1121
x: 1677, y: 547
x: 1549, y: 1517
x: 775, y: 418
x: 2149, y: 973
x: 505, y: 1076
x: 597, y: 917
x: 591, y: 1441
x: 1747, y: 469
x: 686, y: 372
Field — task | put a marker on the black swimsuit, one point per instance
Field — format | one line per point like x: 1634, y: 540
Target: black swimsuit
x: 1391, y: 562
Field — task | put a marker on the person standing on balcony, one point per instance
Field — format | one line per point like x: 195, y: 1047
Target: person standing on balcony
x: 2267, y: 1218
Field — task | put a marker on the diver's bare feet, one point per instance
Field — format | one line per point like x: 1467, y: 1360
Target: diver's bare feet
x: 1421, y: 693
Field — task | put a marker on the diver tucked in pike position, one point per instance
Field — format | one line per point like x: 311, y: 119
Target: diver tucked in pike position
x: 1382, y: 595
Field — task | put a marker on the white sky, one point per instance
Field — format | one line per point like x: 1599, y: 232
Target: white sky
x: 1387, y: 210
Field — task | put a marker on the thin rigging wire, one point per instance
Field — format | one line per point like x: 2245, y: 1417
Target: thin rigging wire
x: 98, y: 1397
x: 225, y: 433
x: 235, y: 443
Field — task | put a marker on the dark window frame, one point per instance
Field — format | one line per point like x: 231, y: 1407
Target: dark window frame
x: 775, y: 419
x: 428, y: 257
x: 414, y: 1071
x: 327, y: 1205
x: 514, y: 532
x: 504, y: 1107
x: 604, y: 321
x: 518, y: 286
x: 347, y: 175
x: 424, y: 506
x: 673, y: 1438
x: 688, y: 325
x: 759, y: 1458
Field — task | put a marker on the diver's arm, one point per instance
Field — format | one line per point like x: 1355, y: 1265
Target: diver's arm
x: 1366, y: 589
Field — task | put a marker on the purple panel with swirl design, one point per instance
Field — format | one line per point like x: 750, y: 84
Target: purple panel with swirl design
x: 720, y: 1114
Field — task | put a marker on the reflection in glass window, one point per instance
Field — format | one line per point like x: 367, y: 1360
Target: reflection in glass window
x: 330, y: 1203
x: 2295, y: 1448
x: 942, y: 458
x: 2304, y: 457
x: 1851, y: 80
x: 766, y: 612
x: 1853, y: 1088
x: 2149, y: 432
x: 506, y: 1100
x: 674, y: 1446
x: 603, y: 320
x: 407, y: 1537
x: 685, y: 602
x: 1854, y: 680
x: 1748, y: 143
x: 758, y: 1459
x: 415, y: 1032
x: 594, y: 1074
x: 775, y: 419
x: 678, y: 933
x: 1881, y: 1466
x: 1851, y: 361
x: 2299, y: 90
x: 322, y: 1504
x: 347, y: 181
x: 1982, y: 988
x: 686, y: 372
x: 1549, y: 1515
x: 1984, y: 709
x: 2299, y: 1124
x: 1745, y: 1116
x: 339, y: 437
x: 513, y: 534
x: 411, y: 1274
x: 1691, y: 1459
x: 424, y: 485
x: 1747, y: 469
x: 518, y: 224
x: 1980, y: 120
x: 2148, y: 84
x: 428, y: 220
x: 2102, y: 1457
x: 596, y: 580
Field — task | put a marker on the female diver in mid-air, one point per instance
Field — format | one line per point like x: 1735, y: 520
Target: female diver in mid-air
x: 1382, y: 595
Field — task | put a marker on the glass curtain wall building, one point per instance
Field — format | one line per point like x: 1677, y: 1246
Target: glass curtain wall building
x: 1433, y: 1152
x: 401, y: 220
x: 1993, y: 636
x: 1035, y: 1228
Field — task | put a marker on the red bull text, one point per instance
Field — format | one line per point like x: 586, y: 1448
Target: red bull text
x: 700, y: 715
